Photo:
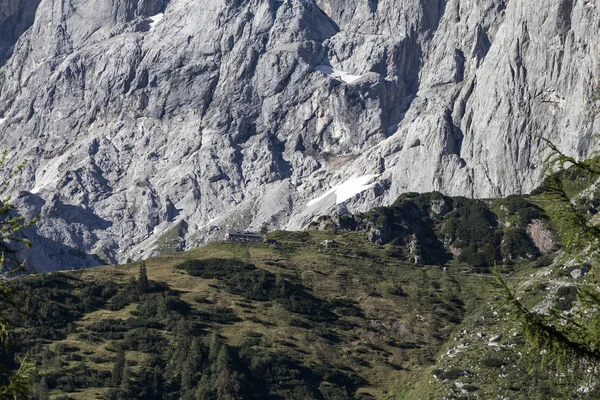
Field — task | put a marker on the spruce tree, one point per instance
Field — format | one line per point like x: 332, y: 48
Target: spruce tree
x: 280, y: 285
x: 215, y: 346
x: 228, y: 384
x: 125, y: 389
x: 12, y: 384
x: 191, y: 366
x: 204, y: 388
x: 223, y: 360
x: 567, y: 343
x: 187, y: 377
x: 47, y: 358
x: 142, y: 281
x: 42, y: 391
x: 118, y: 368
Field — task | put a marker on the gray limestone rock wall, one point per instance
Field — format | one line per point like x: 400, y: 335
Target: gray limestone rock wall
x: 139, y: 117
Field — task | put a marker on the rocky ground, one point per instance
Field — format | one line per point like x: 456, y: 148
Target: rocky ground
x: 150, y: 122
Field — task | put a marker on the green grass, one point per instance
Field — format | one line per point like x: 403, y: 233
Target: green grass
x: 171, y: 240
x: 390, y: 318
x: 396, y: 330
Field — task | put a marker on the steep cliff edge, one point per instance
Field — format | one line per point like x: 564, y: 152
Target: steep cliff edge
x: 153, y: 122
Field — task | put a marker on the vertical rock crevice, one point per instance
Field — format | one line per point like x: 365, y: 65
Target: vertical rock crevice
x: 16, y: 17
x: 226, y: 108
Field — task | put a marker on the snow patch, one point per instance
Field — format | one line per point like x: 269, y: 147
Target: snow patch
x: 337, y: 74
x: 2, y: 120
x: 347, y: 189
x: 155, y: 19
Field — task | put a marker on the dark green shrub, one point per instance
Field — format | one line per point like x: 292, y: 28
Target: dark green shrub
x: 450, y: 374
x: 472, y: 228
x: 518, y: 245
x: 220, y: 315
x: 493, y: 362
x: 330, y: 391
x: 146, y: 340
x: 470, y: 388
x: 566, y: 295
x: 214, y: 268
x: 407, y: 345
x: 543, y: 261
x: 257, y: 284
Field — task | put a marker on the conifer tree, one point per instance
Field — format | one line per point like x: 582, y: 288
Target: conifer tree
x: 118, y: 368
x: 567, y: 343
x: 280, y: 284
x: 203, y: 390
x: 47, y: 357
x: 191, y: 366
x: 142, y: 282
x: 228, y: 384
x: 42, y: 390
x: 215, y: 346
x: 187, y: 377
x: 125, y: 391
x: 17, y: 384
x: 223, y: 360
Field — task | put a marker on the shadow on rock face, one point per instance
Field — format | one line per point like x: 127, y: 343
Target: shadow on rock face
x: 64, y: 236
x: 16, y: 16
x: 47, y: 255
x: 73, y: 214
x: 145, y: 8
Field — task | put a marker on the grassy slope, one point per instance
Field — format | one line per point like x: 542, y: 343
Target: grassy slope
x: 409, y: 332
x: 401, y: 306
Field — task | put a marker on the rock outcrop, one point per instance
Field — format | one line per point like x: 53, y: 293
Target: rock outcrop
x: 142, y: 116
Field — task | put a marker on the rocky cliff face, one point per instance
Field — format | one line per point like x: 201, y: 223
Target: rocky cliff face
x: 153, y: 125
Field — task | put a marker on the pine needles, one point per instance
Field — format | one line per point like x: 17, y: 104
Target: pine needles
x: 568, y: 343
x: 13, y: 385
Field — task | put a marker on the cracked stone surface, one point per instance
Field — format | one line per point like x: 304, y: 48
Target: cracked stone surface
x: 146, y: 134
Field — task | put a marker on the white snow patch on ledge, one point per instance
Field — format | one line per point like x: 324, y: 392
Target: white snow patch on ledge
x: 337, y: 74
x: 348, y: 189
x: 2, y: 120
x: 155, y: 19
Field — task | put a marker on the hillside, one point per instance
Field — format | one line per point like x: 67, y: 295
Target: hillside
x: 301, y: 320
x: 365, y: 323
